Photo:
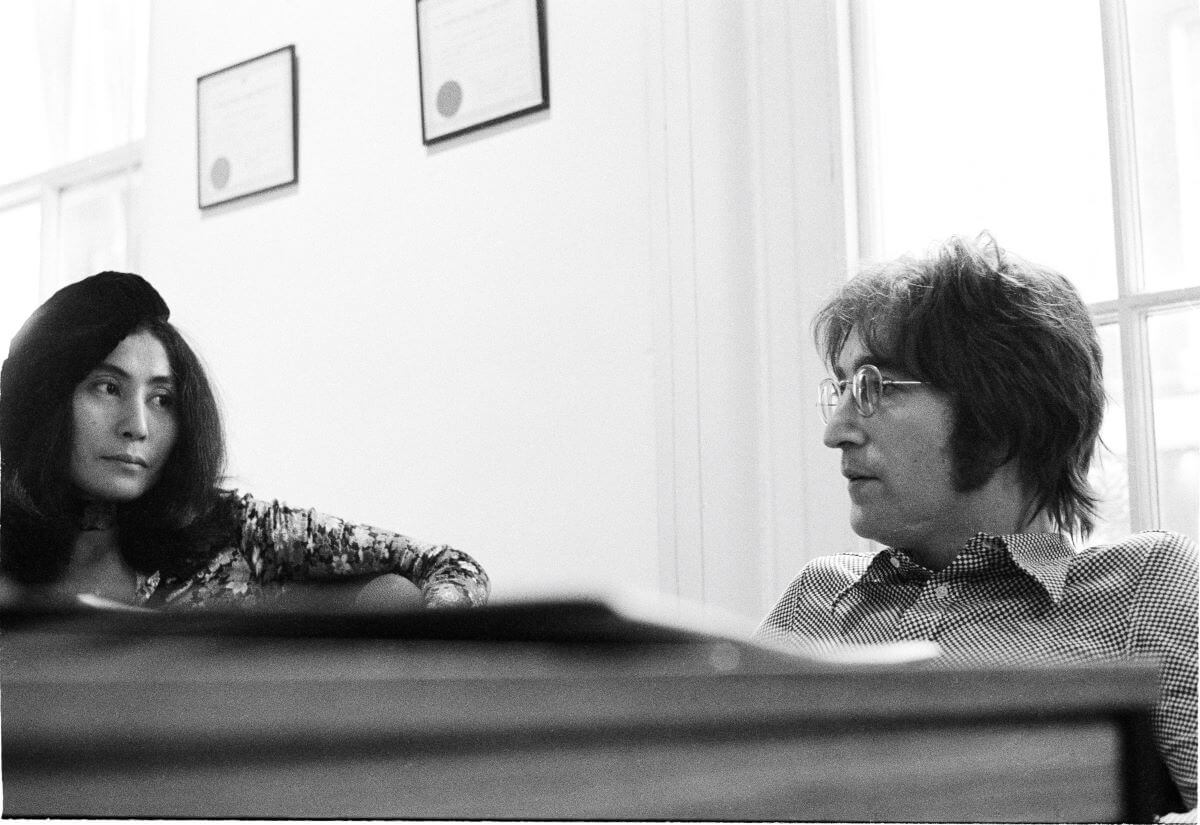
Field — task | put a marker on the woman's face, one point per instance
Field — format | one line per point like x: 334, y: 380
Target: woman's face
x: 124, y: 422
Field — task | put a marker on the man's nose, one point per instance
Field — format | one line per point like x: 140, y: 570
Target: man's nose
x: 844, y: 425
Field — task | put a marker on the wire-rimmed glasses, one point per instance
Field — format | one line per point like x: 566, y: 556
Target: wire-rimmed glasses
x: 866, y: 388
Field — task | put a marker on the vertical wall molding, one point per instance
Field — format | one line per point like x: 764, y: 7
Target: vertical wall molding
x: 750, y: 209
x: 806, y: 221
x: 680, y: 492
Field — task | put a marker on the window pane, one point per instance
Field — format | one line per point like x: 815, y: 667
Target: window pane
x: 1174, y: 354
x: 82, y: 80
x: 24, y: 151
x: 991, y: 115
x: 20, y: 261
x: 94, y: 225
x: 1109, y: 474
x: 106, y: 95
x: 1164, y: 47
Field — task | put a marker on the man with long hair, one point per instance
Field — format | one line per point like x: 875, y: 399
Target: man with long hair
x: 966, y: 404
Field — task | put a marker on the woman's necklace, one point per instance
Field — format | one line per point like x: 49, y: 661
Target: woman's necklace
x: 96, y: 566
x: 98, y: 515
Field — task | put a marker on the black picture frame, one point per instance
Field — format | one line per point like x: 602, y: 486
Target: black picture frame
x: 247, y: 128
x: 449, y: 54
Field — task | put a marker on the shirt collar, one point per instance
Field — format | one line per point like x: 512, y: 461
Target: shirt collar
x: 888, y: 566
x: 1045, y: 557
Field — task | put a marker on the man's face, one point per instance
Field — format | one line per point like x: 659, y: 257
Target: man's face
x: 897, y: 461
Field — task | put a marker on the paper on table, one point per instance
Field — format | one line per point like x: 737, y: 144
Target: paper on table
x: 101, y: 603
x: 650, y: 607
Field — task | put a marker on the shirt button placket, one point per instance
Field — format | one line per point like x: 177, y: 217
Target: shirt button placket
x: 922, y: 620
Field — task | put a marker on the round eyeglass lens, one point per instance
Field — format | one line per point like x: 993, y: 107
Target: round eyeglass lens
x: 868, y: 387
x: 827, y: 398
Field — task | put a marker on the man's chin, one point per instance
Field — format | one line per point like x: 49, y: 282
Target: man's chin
x: 866, y: 527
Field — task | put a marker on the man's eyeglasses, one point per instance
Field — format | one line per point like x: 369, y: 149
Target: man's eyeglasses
x: 866, y: 388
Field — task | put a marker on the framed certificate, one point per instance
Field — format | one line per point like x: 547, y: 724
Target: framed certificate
x: 480, y: 62
x: 247, y: 128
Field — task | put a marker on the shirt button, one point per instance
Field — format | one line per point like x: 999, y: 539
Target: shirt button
x: 942, y: 591
x: 895, y: 562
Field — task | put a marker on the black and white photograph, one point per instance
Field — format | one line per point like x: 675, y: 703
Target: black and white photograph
x: 623, y: 411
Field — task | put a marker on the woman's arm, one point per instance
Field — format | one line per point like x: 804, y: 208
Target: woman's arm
x: 283, y: 543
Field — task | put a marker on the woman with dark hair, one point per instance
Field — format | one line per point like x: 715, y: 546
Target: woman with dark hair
x: 111, y: 455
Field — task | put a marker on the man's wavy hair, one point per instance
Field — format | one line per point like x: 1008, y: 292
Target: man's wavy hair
x: 1013, y: 346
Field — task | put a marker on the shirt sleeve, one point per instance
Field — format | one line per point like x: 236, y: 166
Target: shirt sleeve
x: 776, y: 625
x: 1163, y: 623
x: 284, y: 543
x: 803, y: 616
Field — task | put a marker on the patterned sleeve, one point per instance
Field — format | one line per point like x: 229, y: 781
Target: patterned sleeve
x: 283, y: 543
x: 777, y: 625
x: 1164, y: 625
x: 803, y: 613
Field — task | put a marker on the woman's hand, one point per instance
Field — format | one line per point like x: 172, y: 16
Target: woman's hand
x: 390, y: 591
x: 383, y: 593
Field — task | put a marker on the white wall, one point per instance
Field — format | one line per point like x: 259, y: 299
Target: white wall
x: 554, y: 344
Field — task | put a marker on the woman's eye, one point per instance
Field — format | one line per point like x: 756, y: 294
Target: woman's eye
x: 106, y: 387
x: 164, y: 401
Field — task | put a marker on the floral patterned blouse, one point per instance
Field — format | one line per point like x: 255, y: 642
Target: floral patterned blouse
x: 278, y: 544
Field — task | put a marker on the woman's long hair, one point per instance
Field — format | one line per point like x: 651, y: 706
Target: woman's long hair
x: 167, y: 529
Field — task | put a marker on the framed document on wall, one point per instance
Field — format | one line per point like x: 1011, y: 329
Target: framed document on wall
x: 480, y: 62
x: 246, y: 128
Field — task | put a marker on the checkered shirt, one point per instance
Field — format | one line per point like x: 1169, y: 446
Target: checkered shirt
x: 1020, y: 599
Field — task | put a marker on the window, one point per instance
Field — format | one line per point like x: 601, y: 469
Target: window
x: 1071, y: 132
x: 20, y: 246
x: 69, y: 175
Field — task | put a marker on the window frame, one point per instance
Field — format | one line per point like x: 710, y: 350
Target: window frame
x: 48, y: 187
x: 1133, y: 306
